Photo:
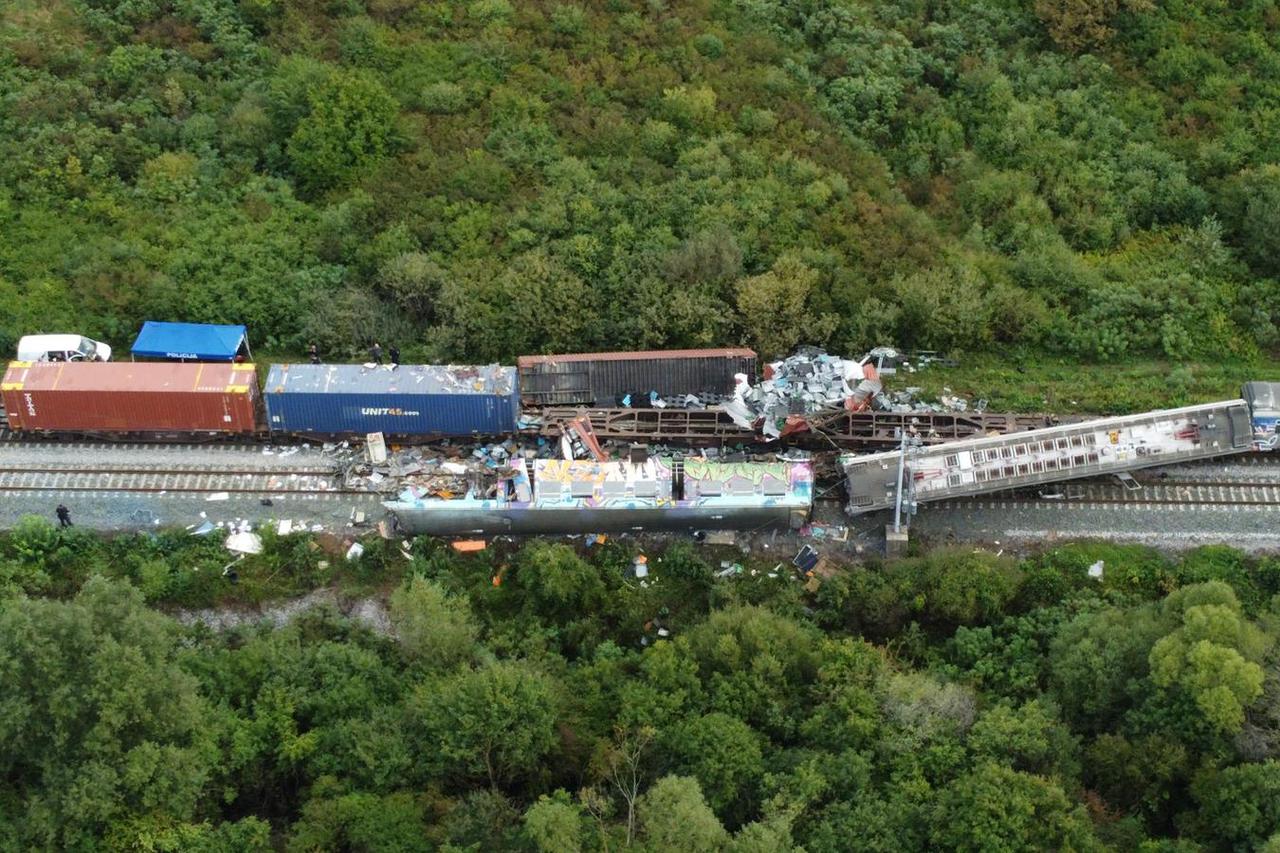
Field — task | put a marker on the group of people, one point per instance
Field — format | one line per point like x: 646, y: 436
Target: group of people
x: 375, y: 353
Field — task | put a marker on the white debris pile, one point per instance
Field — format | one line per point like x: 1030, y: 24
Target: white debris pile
x: 911, y: 400
x: 808, y: 382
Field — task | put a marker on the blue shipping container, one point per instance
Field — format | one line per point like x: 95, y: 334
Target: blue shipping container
x: 406, y: 400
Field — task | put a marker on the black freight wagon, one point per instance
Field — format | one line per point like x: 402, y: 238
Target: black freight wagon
x: 603, y: 378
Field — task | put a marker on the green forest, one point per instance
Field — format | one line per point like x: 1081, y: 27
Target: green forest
x: 475, y: 179
x: 539, y: 698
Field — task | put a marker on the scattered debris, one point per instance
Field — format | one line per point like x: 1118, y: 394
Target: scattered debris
x: 1095, y: 571
x: 579, y: 441
x: 806, y: 559
x: 728, y: 567
x: 244, y: 542
x: 354, y: 552
x: 219, y: 496
x: 828, y: 532
x: 640, y: 566
x: 910, y: 399
x: 377, y: 446
x: 469, y: 546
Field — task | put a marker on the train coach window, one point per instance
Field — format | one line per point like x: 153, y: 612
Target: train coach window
x: 953, y: 479
x: 1023, y: 470
x: 1062, y: 444
x: 1051, y: 464
x: 1093, y: 457
x: 1020, y: 450
x: 1007, y: 471
x: 1037, y: 467
x: 1046, y: 445
x: 952, y: 460
x: 582, y: 489
x: 1078, y: 459
x: 1077, y: 441
x: 1006, y: 453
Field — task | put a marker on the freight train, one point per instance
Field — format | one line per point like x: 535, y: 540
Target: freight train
x: 346, y: 399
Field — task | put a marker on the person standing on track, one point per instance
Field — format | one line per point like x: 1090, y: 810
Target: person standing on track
x: 64, y: 516
x: 314, y: 352
x: 375, y: 353
x: 394, y: 352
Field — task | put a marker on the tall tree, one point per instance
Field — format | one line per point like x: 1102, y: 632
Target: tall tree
x: 97, y: 720
x: 995, y: 808
x: 776, y: 307
x: 674, y: 816
x: 493, y: 724
x: 434, y: 628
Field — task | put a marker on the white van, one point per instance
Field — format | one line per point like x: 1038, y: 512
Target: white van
x: 62, y: 348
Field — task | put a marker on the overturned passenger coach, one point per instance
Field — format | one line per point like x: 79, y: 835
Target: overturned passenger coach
x: 1113, y: 445
x: 560, y: 496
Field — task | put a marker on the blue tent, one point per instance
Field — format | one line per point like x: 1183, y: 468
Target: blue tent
x: 190, y: 341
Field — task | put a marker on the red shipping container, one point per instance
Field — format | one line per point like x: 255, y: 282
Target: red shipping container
x: 130, y: 396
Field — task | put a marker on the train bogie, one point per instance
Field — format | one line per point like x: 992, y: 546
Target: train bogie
x: 1264, y: 405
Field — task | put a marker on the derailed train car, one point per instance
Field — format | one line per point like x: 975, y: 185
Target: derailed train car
x: 561, y: 496
x: 1085, y: 449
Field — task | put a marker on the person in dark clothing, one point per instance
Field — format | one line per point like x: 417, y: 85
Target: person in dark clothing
x: 394, y: 352
x: 64, y: 516
x: 314, y: 353
x: 375, y: 353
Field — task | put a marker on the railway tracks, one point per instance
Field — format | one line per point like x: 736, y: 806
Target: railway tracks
x: 172, y: 479
x: 1253, y: 494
